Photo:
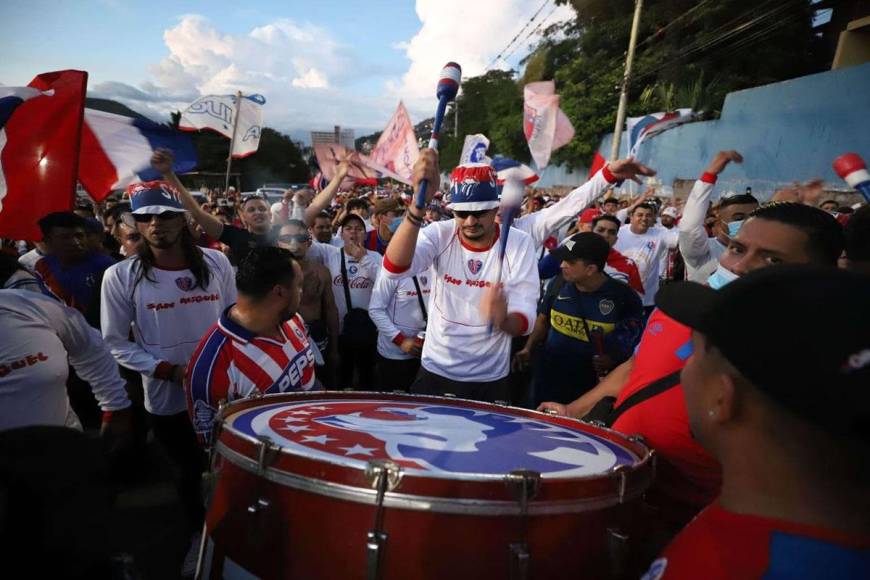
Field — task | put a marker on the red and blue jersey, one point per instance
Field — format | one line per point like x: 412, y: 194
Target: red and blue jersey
x: 723, y: 545
x: 232, y: 363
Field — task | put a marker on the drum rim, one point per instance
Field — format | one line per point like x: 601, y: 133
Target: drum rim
x: 243, y: 404
x: 435, y: 504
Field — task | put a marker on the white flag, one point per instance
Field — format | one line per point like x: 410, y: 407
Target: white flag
x: 218, y: 113
x: 474, y: 149
x: 546, y: 127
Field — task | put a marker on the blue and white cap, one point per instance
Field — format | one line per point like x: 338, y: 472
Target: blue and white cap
x: 154, y: 197
x: 473, y: 187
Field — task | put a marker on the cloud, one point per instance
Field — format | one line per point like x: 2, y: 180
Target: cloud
x: 474, y: 40
x: 297, y: 67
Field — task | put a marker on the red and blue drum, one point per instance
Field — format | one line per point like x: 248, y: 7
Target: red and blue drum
x: 368, y: 485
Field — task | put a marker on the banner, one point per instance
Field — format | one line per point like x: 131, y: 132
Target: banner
x: 217, y: 113
x: 40, y: 130
x: 330, y: 155
x: 545, y: 125
x: 639, y: 128
x: 474, y: 149
x: 396, y: 150
x: 116, y: 151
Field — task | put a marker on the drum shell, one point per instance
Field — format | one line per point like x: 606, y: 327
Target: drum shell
x: 314, y: 532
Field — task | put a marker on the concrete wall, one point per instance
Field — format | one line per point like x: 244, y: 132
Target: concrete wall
x: 786, y: 131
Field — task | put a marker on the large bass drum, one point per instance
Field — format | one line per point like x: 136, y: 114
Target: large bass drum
x: 347, y: 485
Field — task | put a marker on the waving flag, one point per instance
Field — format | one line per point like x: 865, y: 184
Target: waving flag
x: 218, y: 113
x: 507, y: 168
x: 474, y: 149
x: 396, y: 150
x: 40, y: 128
x: 639, y: 128
x: 116, y: 151
x: 545, y: 125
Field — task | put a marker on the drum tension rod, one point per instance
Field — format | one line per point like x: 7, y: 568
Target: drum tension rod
x: 524, y: 485
x: 266, y: 453
x: 383, y: 476
x: 618, y: 539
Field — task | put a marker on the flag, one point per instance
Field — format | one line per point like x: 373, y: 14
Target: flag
x: 639, y: 128
x: 474, y: 149
x: 396, y: 150
x: 597, y: 163
x: 40, y: 128
x: 218, y: 113
x: 545, y: 125
x: 328, y: 156
x: 506, y: 168
x: 116, y: 151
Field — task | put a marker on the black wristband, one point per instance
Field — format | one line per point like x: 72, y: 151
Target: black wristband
x: 414, y: 219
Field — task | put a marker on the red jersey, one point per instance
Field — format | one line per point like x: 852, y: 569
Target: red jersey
x: 723, y: 545
x: 687, y: 477
x: 231, y: 363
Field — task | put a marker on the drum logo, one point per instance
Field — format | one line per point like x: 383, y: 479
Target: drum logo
x: 444, y: 440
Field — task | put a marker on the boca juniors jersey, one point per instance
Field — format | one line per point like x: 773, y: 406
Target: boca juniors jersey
x: 232, y: 363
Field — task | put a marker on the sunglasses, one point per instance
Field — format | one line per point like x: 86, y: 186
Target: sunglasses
x: 144, y: 218
x: 476, y: 214
x: 301, y: 238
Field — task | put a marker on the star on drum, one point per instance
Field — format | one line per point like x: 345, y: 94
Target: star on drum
x: 358, y: 450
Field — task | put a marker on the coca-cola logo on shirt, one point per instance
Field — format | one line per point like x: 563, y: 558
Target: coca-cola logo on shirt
x: 360, y: 282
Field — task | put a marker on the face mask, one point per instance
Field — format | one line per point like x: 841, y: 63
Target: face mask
x: 395, y: 223
x: 733, y: 228
x: 721, y: 277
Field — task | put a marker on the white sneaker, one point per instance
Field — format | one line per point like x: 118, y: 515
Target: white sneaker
x: 188, y: 568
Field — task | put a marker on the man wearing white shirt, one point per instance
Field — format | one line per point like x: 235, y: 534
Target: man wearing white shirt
x: 701, y: 252
x: 646, y: 244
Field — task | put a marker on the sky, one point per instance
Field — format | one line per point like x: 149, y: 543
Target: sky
x: 318, y: 63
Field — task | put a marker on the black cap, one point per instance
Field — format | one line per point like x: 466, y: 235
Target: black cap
x: 585, y: 246
x: 770, y: 325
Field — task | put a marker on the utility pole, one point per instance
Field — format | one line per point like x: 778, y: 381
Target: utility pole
x: 456, y: 119
x: 626, y: 80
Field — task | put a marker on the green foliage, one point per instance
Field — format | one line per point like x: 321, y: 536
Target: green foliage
x: 691, y: 53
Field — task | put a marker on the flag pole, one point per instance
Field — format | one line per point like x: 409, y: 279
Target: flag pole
x: 626, y: 79
x: 233, y: 140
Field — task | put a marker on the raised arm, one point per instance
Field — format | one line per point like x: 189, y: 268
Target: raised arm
x: 161, y: 160
x: 400, y: 252
x: 325, y: 197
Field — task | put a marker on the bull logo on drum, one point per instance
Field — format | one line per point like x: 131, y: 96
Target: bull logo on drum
x: 442, y: 439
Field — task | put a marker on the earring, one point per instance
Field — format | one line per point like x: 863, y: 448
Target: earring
x: 711, y: 413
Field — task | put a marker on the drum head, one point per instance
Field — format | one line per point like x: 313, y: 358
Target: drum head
x: 431, y: 437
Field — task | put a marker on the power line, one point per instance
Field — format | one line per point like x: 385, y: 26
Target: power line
x: 526, y: 25
x: 529, y: 35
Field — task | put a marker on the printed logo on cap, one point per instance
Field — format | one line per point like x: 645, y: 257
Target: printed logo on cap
x: 473, y: 183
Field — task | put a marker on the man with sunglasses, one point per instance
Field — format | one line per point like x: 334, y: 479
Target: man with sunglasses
x: 317, y: 305
x: 701, y: 252
x: 168, y: 295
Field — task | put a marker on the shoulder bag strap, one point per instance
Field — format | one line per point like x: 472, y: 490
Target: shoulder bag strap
x: 420, y: 298
x: 656, y: 387
x: 345, y: 282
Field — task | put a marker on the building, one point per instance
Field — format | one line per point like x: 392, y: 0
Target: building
x: 337, y: 135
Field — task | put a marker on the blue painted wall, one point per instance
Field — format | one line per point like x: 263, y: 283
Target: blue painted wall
x: 786, y: 131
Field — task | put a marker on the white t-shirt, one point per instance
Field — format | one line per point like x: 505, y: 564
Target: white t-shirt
x: 542, y: 224
x: 168, y: 318
x: 395, y: 310
x: 700, y: 252
x: 647, y: 251
x: 41, y: 338
x: 361, y: 274
x: 459, y: 345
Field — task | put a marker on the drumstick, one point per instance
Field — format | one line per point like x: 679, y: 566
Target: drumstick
x: 448, y: 86
x: 598, y: 342
x: 511, y: 200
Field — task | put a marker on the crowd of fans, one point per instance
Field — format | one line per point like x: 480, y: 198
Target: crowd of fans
x: 152, y: 307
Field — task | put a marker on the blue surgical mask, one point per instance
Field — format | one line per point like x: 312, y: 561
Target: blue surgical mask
x: 395, y: 223
x: 734, y: 227
x: 721, y: 277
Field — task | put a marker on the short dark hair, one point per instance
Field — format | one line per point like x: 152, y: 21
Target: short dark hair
x: 825, y: 234
x: 610, y: 200
x: 357, y: 203
x: 857, y: 235
x: 737, y: 199
x: 116, y: 210
x: 607, y: 218
x: 324, y: 216
x: 648, y: 206
x: 59, y: 219
x: 262, y: 269
x: 834, y: 201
